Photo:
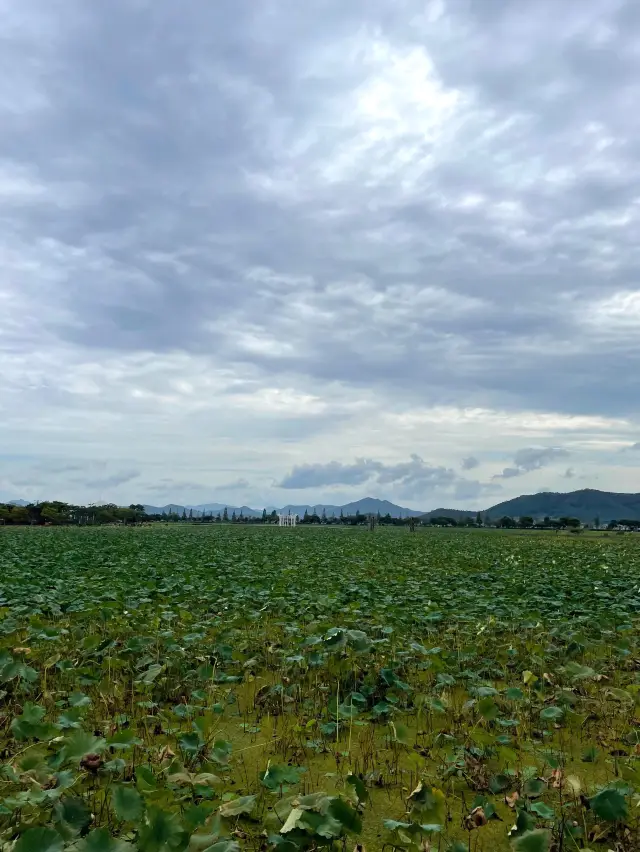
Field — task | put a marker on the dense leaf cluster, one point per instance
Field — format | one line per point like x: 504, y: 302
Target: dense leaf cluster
x: 220, y: 687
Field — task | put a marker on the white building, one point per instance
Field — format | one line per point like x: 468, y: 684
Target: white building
x: 287, y: 520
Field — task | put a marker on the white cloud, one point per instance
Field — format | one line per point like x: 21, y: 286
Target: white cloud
x: 615, y: 314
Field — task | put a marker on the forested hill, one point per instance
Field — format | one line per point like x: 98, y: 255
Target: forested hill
x: 587, y: 505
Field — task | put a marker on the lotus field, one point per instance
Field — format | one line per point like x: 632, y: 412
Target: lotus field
x: 225, y: 688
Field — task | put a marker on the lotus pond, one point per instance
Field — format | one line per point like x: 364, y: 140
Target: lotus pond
x: 223, y: 688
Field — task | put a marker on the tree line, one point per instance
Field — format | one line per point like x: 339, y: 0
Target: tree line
x: 57, y: 512
x: 527, y: 522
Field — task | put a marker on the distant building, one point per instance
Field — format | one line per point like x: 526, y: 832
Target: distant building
x: 287, y: 520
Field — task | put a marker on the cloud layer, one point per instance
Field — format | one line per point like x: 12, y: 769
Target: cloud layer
x: 410, y: 480
x: 244, y: 239
x: 532, y: 458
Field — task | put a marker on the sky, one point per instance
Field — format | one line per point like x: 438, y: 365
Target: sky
x: 284, y: 252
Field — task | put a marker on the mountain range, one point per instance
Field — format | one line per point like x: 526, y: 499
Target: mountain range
x: 368, y: 505
x: 587, y: 505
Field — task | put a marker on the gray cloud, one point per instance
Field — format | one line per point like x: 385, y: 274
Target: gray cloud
x: 569, y: 473
x: 532, y: 458
x: 58, y: 468
x: 470, y: 463
x: 112, y: 481
x: 509, y: 473
x: 414, y: 479
x: 332, y: 473
x: 249, y: 216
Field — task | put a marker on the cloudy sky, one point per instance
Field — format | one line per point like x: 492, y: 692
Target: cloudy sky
x: 283, y: 251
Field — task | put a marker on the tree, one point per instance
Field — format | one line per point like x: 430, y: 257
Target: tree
x: 233, y: 517
x: 264, y: 516
x: 55, y: 512
x: 324, y: 515
x: 190, y: 514
x: 218, y: 518
x: 34, y: 511
x: 596, y: 523
x: 526, y: 522
x: 14, y: 514
x: 138, y: 510
x: 184, y: 514
x: 479, y: 519
x: 225, y: 515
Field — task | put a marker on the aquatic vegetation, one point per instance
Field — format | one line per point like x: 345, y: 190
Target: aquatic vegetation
x: 225, y: 688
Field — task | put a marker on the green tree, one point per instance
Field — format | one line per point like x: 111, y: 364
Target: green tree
x: 137, y: 509
x: 264, y: 516
x: 479, y: 519
x: 225, y: 516
x: 526, y: 522
x: 34, y: 511
x: 55, y: 512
